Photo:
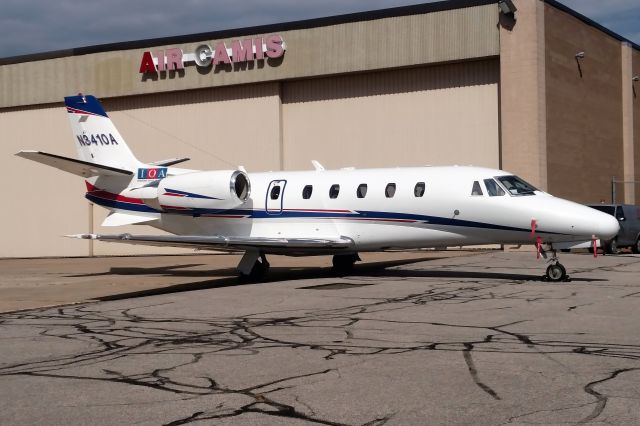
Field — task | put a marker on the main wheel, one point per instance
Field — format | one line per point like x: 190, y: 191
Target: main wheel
x: 258, y: 272
x: 636, y: 247
x: 556, y: 272
x: 344, y: 262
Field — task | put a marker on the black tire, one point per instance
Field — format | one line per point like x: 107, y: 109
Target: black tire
x: 635, y: 249
x: 344, y: 262
x: 257, y: 273
x: 611, y: 247
x: 556, y: 272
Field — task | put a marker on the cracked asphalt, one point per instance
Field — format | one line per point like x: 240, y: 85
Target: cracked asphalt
x: 476, y: 339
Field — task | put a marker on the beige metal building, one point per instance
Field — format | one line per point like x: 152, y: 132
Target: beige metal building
x: 455, y: 82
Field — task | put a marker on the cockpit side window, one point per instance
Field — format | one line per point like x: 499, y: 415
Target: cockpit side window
x: 476, y: 190
x: 516, y: 186
x: 493, y: 189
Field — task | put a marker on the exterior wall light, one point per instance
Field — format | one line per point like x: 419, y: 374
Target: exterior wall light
x: 507, y: 7
x: 636, y: 78
x: 580, y: 55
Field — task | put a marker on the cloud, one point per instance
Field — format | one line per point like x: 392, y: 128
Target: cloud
x: 31, y: 26
x: 620, y: 16
x: 40, y: 25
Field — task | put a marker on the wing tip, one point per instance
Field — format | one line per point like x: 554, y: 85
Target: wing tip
x: 82, y: 236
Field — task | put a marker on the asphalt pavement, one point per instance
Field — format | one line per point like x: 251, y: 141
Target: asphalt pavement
x: 470, y: 339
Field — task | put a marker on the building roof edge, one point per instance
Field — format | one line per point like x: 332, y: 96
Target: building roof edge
x: 417, y: 9
x: 590, y: 22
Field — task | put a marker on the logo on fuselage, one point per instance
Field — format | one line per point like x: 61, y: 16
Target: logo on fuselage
x: 152, y: 174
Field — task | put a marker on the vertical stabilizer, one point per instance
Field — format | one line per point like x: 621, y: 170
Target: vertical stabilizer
x: 97, y: 139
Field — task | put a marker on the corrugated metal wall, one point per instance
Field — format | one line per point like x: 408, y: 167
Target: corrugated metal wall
x: 445, y: 114
x: 216, y: 128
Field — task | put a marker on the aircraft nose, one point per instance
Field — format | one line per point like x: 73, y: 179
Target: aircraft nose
x: 607, y: 226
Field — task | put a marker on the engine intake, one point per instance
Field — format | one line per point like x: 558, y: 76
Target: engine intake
x: 217, y: 190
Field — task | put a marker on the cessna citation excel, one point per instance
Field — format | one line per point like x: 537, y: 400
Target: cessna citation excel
x: 319, y: 212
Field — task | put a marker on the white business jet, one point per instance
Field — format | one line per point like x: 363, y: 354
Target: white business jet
x: 318, y: 212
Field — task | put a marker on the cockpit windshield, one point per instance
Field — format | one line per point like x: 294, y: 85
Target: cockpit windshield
x: 516, y: 186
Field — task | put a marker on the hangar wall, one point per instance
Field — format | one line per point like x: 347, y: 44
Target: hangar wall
x: 40, y: 203
x: 523, y: 94
x: 411, y: 116
x: 437, y: 83
x: 408, y: 117
x: 584, y: 108
x: 635, y: 89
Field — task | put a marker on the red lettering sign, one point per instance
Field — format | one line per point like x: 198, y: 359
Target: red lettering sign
x: 147, y: 64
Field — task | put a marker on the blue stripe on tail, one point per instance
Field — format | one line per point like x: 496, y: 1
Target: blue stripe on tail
x: 87, y: 104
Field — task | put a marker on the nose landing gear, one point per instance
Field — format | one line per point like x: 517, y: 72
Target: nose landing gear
x: 555, y: 271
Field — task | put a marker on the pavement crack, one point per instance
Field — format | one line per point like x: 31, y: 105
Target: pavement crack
x: 601, y: 399
x: 468, y: 359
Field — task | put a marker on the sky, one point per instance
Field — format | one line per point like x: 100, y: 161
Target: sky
x: 31, y: 26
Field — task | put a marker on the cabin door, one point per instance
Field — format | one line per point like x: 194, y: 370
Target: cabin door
x: 275, y: 196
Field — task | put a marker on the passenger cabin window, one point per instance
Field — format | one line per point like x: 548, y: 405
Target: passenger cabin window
x: 418, y: 191
x: 275, y: 192
x: 307, y: 191
x: 361, y: 192
x: 476, y: 190
x: 390, y: 190
x: 334, y: 191
x: 516, y: 186
x: 493, y: 189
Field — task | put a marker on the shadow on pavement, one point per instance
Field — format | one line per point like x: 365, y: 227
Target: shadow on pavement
x: 228, y: 276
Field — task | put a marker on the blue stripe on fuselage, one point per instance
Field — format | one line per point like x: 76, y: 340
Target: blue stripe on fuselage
x: 120, y: 204
x: 289, y: 214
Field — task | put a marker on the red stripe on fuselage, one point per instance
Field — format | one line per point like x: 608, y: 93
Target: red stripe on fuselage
x: 319, y: 211
x: 111, y: 196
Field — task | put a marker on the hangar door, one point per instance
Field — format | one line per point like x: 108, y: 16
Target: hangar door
x: 437, y: 115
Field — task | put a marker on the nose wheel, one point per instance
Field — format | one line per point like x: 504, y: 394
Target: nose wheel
x: 556, y: 272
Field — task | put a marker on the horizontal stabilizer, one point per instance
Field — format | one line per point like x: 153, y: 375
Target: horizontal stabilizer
x: 71, y: 165
x: 119, y: 219
x: 217, y: 242
x: 170, y: 162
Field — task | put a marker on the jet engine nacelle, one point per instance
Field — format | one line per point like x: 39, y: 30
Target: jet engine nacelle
x: 218, y: 190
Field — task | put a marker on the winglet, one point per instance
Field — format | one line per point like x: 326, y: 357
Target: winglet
x: 316, y: 165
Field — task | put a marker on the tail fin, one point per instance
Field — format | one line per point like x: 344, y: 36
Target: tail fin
x: 97, y: 139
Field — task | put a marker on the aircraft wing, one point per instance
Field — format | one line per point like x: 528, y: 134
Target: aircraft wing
x: 290, y: 246
x: 71, y: 165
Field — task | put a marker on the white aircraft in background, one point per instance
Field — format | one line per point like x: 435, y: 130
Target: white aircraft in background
x: 319, y: 212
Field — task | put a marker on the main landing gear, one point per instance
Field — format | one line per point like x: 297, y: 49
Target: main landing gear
x: 253, y: 266
x: 555, y: 271
x: 343, y: 263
